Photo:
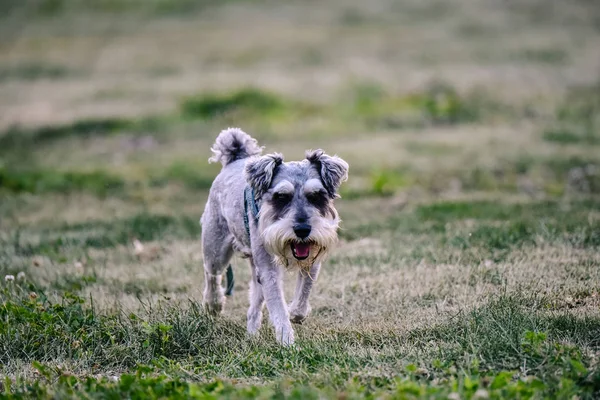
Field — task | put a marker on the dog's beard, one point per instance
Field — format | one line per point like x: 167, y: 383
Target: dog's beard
x: 291, y: 252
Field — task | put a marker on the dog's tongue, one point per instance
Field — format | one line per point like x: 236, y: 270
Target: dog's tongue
x: 302, y: 249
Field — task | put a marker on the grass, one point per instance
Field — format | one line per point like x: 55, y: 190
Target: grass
x: 488, y: 230
x: 250, y: 101
x: 191, y: 174
x: 21, y: 139
x: 106, y: 234
x: 468, y: 261
x: 438, y: 103
x: 33, y: 71
x: 43, y: 181
x: 567, y: 137
x: 542, y: 55
x: 507, y: 334
x: 48, y: 8
x: 577, y: 119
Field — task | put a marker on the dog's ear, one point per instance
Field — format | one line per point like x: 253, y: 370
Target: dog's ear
x: 260, y: 172
x: 333, y: 170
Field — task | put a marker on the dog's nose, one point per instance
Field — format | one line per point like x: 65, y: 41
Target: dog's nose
x: 302, y: 230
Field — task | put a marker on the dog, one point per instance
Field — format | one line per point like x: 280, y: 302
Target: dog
x: 280, y: 215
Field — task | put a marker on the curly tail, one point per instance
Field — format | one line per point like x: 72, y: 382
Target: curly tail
x: 233, y: 144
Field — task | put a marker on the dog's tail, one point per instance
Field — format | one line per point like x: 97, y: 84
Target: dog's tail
x: 233, y: 144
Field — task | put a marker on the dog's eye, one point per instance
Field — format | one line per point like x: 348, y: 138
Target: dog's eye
x: 317, y: 199
x: 281, y: 199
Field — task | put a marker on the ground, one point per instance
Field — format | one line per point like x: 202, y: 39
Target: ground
x: 468, y: 263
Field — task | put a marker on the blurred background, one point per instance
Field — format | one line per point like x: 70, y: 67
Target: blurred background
x: 109, y: 108
x: 440, y: 96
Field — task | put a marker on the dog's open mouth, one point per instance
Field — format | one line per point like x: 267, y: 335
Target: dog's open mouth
x: 300, y: 250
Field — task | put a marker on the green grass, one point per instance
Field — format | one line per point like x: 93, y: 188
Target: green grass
x: 246, y: 101
x: 54, y: 8
x: 34, y: 71
x: 437, y: 103
x: 504, y: 335
x: 193, y: 175
x: 487, y: 230
x: 514, y: 226
x: 25, y: 139
x: 567, y: 137
x: 104, y: 234
x: 29, y: 180
x: 544, y: 55
x: 577, y: 119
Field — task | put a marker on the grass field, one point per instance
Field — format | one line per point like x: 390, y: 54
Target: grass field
x: 469, y: 259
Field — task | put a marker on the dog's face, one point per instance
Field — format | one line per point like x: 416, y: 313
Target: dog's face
x: 297, y: 219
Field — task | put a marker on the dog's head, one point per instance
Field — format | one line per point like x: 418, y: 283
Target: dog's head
x: 297, y: 220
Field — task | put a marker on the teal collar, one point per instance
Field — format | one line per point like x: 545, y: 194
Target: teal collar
x: 250, y: 203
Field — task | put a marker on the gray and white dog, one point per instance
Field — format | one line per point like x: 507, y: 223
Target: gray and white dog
x: 277, y: 214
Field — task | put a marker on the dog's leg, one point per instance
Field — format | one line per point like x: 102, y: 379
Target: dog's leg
x: 300, y: 307
x: 217, y: 249
x: 257, y: 302
x: 271, y: 280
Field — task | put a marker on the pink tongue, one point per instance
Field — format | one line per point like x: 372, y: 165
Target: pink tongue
x: 302, y: 249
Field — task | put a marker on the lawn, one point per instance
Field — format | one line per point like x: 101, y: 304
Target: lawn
x: 469, y: 258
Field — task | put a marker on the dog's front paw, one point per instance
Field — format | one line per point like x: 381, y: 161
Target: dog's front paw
x: 285, y: 335
x: 297, y: 319
x: 214, y: 302
x: 254, y: 322
x: 213, y: 309
x: 298, y: 314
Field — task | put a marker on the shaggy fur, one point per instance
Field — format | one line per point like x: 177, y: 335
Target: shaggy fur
x: 296, y: 226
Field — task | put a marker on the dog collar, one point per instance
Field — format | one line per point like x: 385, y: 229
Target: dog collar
x: 250, y: 203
